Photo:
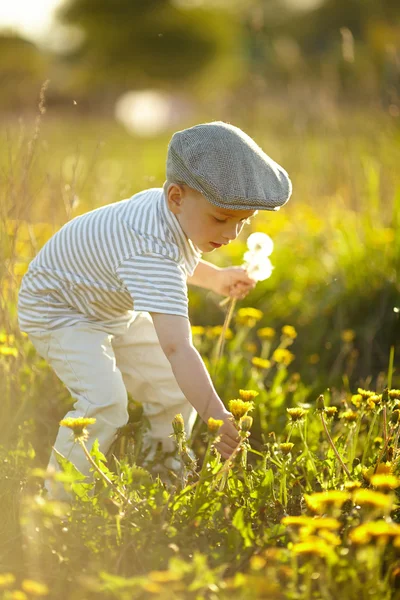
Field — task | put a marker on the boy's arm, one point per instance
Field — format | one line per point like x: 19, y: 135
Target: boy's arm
x: 192, y: 377
x: 204, y: 275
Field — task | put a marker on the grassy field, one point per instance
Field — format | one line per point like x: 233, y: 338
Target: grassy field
x: 307, y: 508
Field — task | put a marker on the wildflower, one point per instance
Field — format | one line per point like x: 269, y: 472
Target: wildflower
x: 394, y: 394
x: 286, y: 448
x: 6, y: 580
x: 248, y: 316
x: 378, y: 442
x: 34, y: 588
x: 313, y: 523
x: 214, y: 425
x: 214, y: 332
x: 246, y: 423
x: 239, y: 408
x: 348, y: 335
x: 330, y: 537
x: 377, y: 531
x: 260, y: 363
x: 351, y: 486
x: 289, y: 331
x: 312, y: 546
x: 356, y: 399
x: 248, y: 395
x: 260, y: 243
x: 8, y: 351
x: 78, y: 425
x: 385, y: 482
x: 197, y: 330
x: 371, y: 499
x: 283, y: 355
x: 349, y: 415
x: 365, y: 393
x: 330, y: 411
x: 178, y: 424
x: 373, y: 400
x: 17, y: 595
x: 296, y: 414
x: 266, y: 333
x: 257, y: 562
x: 320, y: 501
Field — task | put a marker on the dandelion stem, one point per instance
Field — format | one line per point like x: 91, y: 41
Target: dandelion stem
x: 370, y: 432
x: 221, y: 341
x: 100, y: 472
x: 390, y: 369
x: 331, y: 442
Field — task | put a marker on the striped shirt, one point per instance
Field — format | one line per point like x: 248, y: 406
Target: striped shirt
x: 131, y: 255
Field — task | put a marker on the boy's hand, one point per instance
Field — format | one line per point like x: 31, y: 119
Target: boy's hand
x: 233, y: 281
x: 229, y: 436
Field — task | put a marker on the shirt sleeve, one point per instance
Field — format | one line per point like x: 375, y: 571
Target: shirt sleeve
x: 156, y: 284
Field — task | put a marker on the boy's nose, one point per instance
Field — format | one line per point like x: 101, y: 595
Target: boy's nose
x: 232, y: 232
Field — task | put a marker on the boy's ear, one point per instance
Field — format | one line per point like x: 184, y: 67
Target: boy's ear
x: 175, y: 198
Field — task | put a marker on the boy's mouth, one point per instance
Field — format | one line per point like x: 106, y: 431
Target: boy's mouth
x: 214, y: 245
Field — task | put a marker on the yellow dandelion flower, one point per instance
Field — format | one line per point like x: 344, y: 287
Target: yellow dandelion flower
x: 178, y: 424
x: 330, y: 537
x: 385, y: 467
x: 8, y: 351
x: 312, y: 547
x: 314, y: 523
x: 330, y: 411
x: 350, y: 486
x: 378, y: 442
x: 289, y: 331
x: 248, y: 395
x: 365, y: 393
x: 197, y: 330
x: 283, y: 356
x: 385, y: 482
x: 17, y: 595
x: 34, y: 588
x: 349, y: 415
x: 6, y: 580
x: 214, y: 425
x: 296, y: 414
x: 286, y: 448
x: 239, y: 408
x: 78, y: 425
x: 377, y: 531
x: 371, y: 499
x: 215, y: 332
x: 266, y: 333
x: 348, y: 335
x: 257, y: 562
x: 260, y: 363
x: 356, y: 399
x: 320, y: 501
x: 248, y: 316
x: 394, y: 394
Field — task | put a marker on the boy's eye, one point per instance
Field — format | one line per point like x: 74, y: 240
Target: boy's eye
x: 220, y: 220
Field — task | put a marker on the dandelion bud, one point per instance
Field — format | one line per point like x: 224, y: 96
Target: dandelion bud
x: 178, y: 425
x: 320, y: 404
x: 395, y: 417
x: 385, y: 396
x: 245, y: 423
x: 286, y: 448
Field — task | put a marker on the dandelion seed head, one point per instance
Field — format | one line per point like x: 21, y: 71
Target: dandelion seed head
x: 258, y: 242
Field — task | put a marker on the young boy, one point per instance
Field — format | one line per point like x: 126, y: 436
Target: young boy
x: 105, y: 300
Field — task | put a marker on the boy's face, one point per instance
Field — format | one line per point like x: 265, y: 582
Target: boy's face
x: 206, y: 225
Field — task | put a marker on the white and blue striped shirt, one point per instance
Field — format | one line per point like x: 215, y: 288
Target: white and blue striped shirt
x: 131, y: 255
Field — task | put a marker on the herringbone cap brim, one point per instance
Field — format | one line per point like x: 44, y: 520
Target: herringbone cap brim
x: 227, y: 166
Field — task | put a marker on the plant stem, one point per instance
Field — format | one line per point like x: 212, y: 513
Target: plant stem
x: 221, y: 341
x: 334, y: 447
x: 100, y: 472
x: 370, y: 432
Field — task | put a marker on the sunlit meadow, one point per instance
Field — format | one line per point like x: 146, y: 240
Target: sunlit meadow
x: 307, y: 505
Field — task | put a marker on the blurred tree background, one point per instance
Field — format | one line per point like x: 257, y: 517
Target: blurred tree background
x: 315, y: 82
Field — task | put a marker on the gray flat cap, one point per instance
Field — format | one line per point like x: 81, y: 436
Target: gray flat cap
x: 227, y: 166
